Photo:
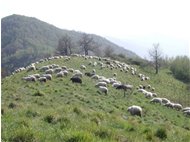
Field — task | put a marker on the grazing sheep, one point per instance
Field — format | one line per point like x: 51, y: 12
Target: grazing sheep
x: 71, y: 70
x: 94, y: 71
x: 187, y: 112
x: 56, y: 70
x: 76, y: 80
x: 64, y: 67
x: 95, y: 76
x: 153, y: 89
x: 104, y: 80
x: 42, y: 79
x: 29, y: 78
x: 149, y: 86
x: 79, y: 74
x: 65, y: 72
x: 116, y: 84
x: 60, y: 74
x: 135, y: 110
x: 30, y: 68
x: 83, y: 67
x: 36, y: 75
x: 186, y: 108
x: 47, y: 76
x: 156, y: 100
x: 101, y: 84
x: 115, y: 74
x: 103, y: 89
x: 89, y: 74
x: 49, y: 71
x: 177, y: 106
x: 148, y: 95
x: 169, y: 104
x: 44, y: 68
x: 165, y: 101
x: 154, y: 94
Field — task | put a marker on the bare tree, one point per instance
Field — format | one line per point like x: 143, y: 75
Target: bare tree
x: 86, y: 42
x: 155, y: 55
x: 64, y: 45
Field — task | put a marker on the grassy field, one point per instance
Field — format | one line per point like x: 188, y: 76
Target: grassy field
x: 59, y: 110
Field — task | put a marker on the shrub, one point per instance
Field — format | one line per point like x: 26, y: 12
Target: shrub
x: 39, y: 93
x: 180, y: 68
x: 161, y: 133
x: 49, y: 119
x: 12, y: 105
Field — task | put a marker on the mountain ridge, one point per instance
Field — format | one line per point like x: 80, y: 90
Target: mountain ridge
x: 29, y: 39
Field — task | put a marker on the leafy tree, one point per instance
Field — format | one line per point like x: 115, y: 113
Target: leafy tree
x: 108, y: 51
x: 64, y: 45
x: 180, y: 68
x: 86, y: 42
x: 155, y: 55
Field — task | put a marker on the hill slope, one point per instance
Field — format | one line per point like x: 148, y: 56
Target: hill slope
x: 29, y: 39
x: 59, y: 110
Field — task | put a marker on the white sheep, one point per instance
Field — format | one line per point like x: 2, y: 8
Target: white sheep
x: 169, y: 104
x: 83, y: 67
x: 47, y: 76
x: 116, y: 84
x: 95, y: 76
x: 79, y: 74
x: 60, y: 74
x: 42, y: 79
x: 44, y: 68
x: 156, y: 100
x: 103, y: 89
x: 165, y: 101
x: 49, y: 71
x: 135, y: 110
x: 56, y: 70
x: 30, y: 68
x: 177, y: 106
x: 101, y: 84
x: 187, y: 112
x: 186, y: 108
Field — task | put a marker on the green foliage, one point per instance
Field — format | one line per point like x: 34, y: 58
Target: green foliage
x: 180, y: 68
x: 161, y: 133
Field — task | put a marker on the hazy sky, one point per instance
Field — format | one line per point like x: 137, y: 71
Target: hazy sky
x: 141, y: 21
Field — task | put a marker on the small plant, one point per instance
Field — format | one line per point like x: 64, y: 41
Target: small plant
x: 30, y: 113
x: 103, y: 133
x: 50, y: 119
x: 12, y: 105
x: 39, y: 93
x: 77, y: 111
x: 161, y: 133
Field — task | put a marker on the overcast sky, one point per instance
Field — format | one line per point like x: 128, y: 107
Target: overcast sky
x: 131, y: 23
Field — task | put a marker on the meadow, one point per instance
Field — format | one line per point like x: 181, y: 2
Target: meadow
x: 60, y: 110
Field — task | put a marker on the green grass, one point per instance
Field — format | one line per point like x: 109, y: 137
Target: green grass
x: 59, y: 110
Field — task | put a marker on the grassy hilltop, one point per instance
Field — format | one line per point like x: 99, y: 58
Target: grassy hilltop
x: 59, y: 110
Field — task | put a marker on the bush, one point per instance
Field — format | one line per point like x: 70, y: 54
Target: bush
x: 180, y: 68
x: 39, y: 93
x: 161, y: 133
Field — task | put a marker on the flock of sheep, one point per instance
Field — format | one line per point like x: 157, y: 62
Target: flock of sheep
x: 101, y: 81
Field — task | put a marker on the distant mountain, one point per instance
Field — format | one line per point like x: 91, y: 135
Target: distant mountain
x: 26, y: 39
